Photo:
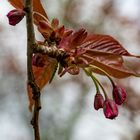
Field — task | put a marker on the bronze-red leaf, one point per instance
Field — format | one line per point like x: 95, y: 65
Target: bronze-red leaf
x: 104, y: 45
x: 42, y: 76
x: 113, y: 65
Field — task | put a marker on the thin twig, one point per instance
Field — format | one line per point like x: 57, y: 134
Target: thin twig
x: 31, y: 81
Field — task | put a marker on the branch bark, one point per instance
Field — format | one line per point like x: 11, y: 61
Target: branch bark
x: 30, y: 77
x: 51, y: 51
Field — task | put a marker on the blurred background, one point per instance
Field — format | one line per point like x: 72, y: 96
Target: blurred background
x: 67, y: 103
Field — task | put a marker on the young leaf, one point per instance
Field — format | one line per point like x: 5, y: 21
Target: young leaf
x: 106, y: 53
x: 54, y: 72
x: 104, y: 45
x: 18, y: 4
x: 44, y: 28
x: 78, y: 37
x: 39, y: 18
x: 113, y: 65
x: 42, y: 76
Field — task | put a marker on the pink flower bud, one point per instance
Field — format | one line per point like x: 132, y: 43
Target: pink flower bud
x: 119, y: 95
x: 38, y: 61
x: 15, y: 16
x: 110, y: 109
x: 98, y: 101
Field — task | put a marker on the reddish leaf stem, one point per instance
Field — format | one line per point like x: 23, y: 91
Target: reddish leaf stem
x: 31, y: 81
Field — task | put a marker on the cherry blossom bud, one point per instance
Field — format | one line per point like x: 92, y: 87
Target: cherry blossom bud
x: 15, y: 16
x: 98, y: 101
x: 38, y: 61
x: 110, y: 109
x: 119, y: 95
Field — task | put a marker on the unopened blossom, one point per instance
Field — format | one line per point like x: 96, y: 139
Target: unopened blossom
x: 110, y: 109
x: 98, y: 101
x: 119, y: 94
x: 15, y: 16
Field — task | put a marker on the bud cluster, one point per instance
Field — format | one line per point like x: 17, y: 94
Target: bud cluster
x: 109, y: 106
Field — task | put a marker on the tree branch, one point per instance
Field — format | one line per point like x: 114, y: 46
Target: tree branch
x: 51, y: 51
x: 31, y: 81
